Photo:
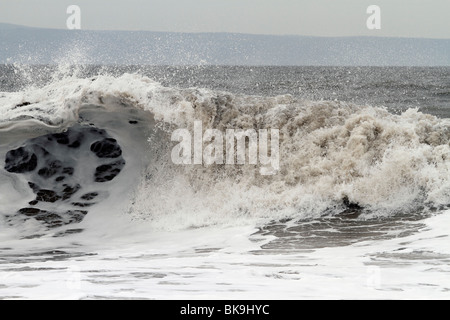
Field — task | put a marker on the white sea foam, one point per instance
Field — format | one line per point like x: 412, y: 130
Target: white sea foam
x: 330, y: 151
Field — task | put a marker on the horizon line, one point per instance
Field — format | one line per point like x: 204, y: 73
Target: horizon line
x: 18, y: 26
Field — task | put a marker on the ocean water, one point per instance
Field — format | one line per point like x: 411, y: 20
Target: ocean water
x: 92, y: 206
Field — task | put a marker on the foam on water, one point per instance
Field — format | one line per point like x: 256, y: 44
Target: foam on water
x: 167, y: 231
x: 330, y: 151
x: 211, y: 263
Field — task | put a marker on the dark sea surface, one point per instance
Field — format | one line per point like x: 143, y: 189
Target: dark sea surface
x: 398, y: 88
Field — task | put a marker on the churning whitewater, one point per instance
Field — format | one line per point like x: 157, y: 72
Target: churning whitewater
x: 335, y: 156
x: 85, y: 159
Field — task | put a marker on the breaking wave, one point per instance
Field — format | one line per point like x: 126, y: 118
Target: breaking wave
x: 336, y: 158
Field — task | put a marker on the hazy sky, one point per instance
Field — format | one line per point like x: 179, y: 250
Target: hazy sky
x: 399, y: 18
